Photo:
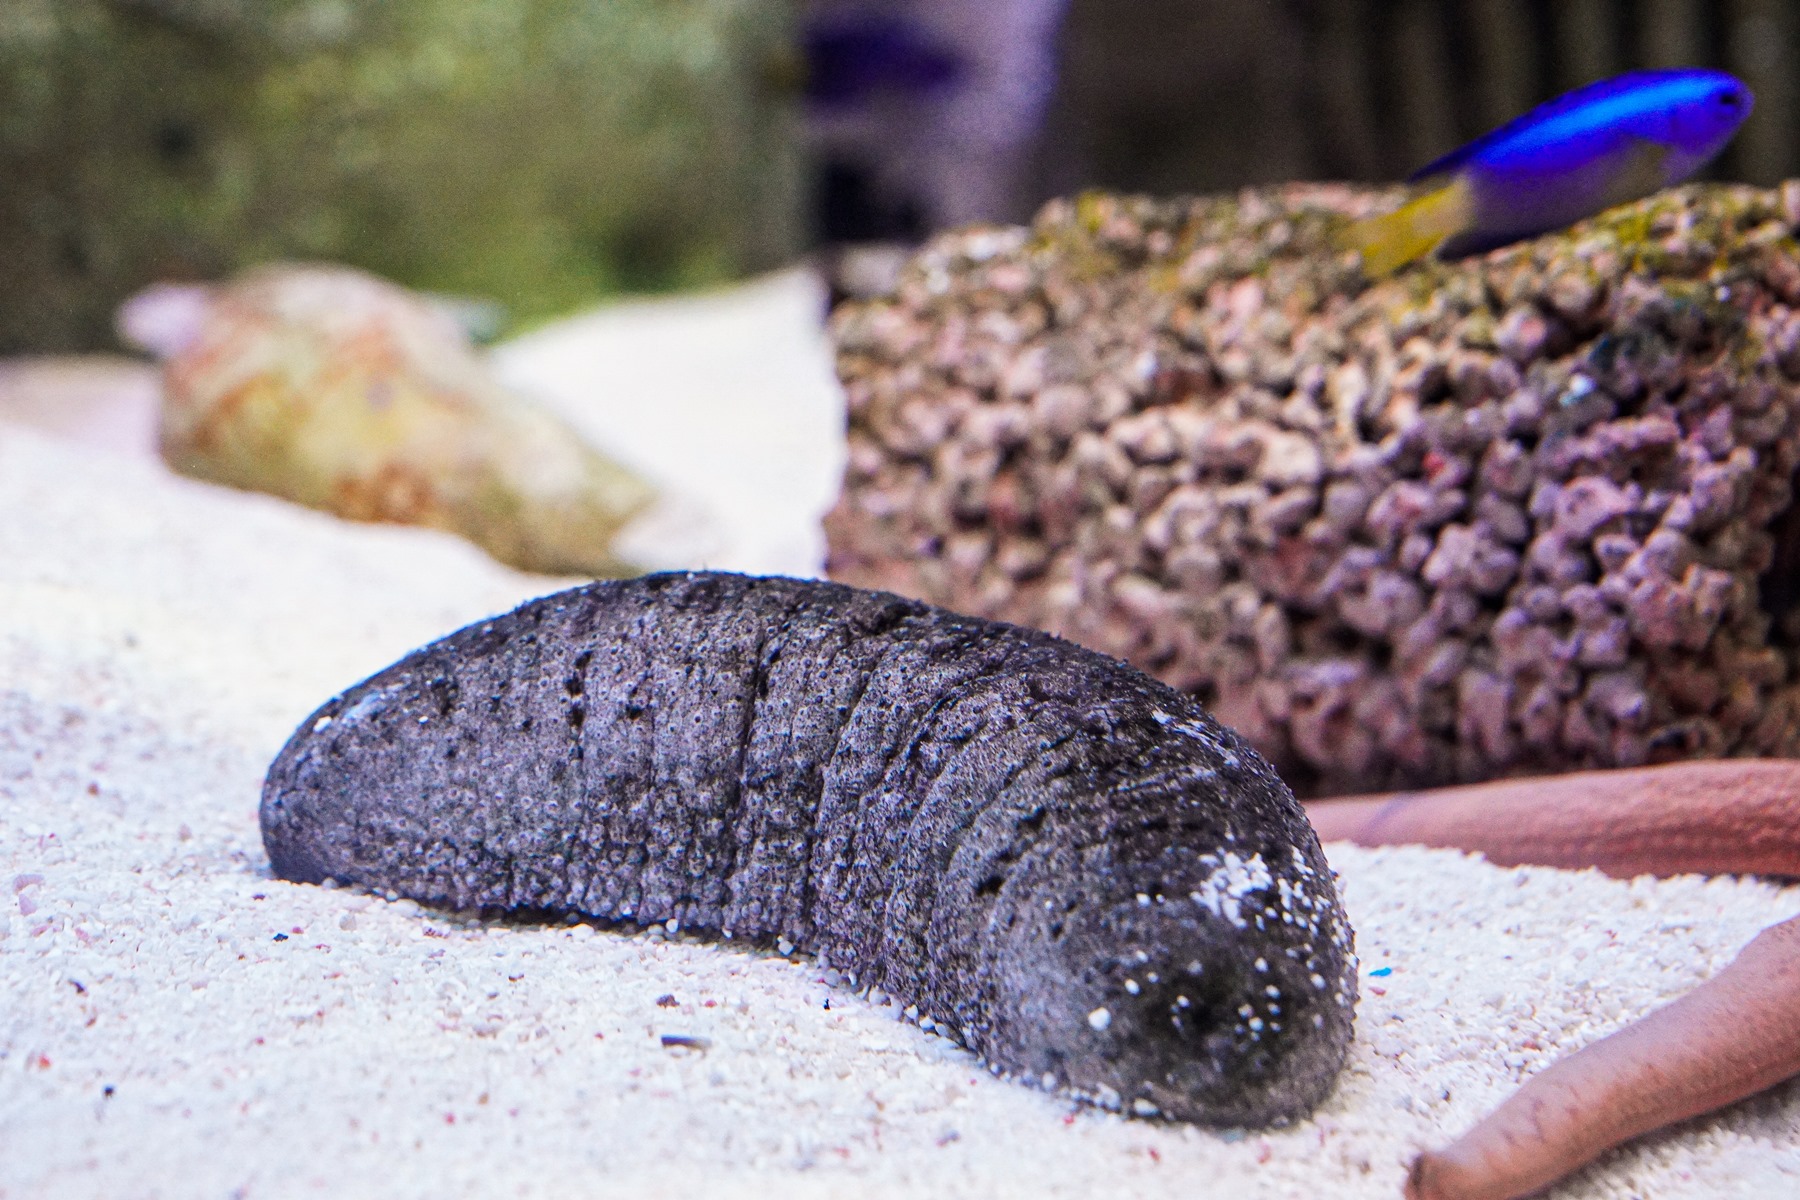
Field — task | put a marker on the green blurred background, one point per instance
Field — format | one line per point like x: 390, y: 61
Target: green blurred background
x: 535, y: 152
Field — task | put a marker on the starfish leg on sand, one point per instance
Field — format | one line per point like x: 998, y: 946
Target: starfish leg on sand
x: 1729, y: 1038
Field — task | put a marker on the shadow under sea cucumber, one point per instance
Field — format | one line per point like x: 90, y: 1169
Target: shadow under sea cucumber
x: 1063, y: 863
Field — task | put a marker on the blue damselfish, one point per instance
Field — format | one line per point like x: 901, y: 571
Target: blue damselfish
x: 1604, y: 144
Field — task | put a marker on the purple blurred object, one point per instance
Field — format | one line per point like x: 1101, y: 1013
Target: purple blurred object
x: 164, y: 318
x: 854, y: 55
x: 935, y: 107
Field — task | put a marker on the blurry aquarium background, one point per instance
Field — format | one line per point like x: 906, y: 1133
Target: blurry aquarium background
x: 534, y: 152
x: 1180, y: 96
x: 543, y: 154
x: 1185, y: 95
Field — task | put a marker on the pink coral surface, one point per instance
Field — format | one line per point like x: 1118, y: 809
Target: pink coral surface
x: 1519, y: 514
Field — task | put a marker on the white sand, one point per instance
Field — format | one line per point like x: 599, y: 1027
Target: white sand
x: 728, y: 400
x: 160, y: 638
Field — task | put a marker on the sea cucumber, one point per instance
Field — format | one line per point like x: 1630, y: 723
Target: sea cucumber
x: 1064, y: 864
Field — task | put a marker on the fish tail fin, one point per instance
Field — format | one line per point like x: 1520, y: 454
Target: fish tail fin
x: 1415, y: 229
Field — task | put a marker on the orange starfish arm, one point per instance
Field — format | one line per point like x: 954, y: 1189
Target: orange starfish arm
x: 1737, y: 816
x: 1731, y: 1037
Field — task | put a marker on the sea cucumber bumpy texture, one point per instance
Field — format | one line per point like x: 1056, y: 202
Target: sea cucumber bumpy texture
x: 1061, y: 861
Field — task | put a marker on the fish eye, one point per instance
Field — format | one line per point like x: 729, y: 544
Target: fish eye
x: 1730, y: 99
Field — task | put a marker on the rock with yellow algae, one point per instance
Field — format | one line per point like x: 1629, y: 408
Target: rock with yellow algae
x: 340, y: 391
x: 1524, y: 513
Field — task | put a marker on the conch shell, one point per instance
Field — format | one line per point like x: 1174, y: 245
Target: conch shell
x: 337, y: 390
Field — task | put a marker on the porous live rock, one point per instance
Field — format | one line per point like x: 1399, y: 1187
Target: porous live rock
x: 1523, y: 513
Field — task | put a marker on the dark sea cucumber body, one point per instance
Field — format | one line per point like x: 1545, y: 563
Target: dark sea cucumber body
x: 1059, y: 860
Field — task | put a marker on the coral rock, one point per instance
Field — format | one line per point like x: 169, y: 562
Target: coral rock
x: 1519, y: 514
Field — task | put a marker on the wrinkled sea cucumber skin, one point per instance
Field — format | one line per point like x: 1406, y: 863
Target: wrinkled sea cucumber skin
x: 1064, y: 863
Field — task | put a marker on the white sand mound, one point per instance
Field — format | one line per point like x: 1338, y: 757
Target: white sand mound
x: 175, y: 1023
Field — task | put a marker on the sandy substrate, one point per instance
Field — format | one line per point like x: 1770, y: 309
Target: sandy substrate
x: 173, y: 1022
x: 727, y: 400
